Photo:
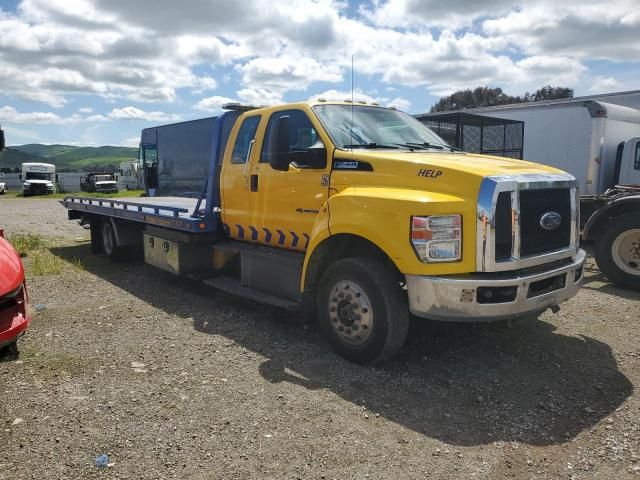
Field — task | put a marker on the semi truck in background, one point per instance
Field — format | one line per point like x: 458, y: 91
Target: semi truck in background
x: 38, y: 179
x: 357, y: 215
x: 599, y: 144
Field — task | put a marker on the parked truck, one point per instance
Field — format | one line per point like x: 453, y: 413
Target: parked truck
x: 599, y: 144
x: 102, y: 182
x: 128, y: 176
x: 358, y: 216
x: 38, y: 179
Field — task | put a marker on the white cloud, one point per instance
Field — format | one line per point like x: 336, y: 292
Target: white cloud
x: 134, y: 113
x: 153, y: 51
x: 11, y: 115
x: 213, y: 104
x: 604, y: 85
x: 130, y: 142
x: 85, y: 110
x: 361, y: 96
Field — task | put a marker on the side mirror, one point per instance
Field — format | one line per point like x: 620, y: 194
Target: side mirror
x: 2, y: 144
x: 278, y: 151
x: 20, y: 177
x: 56, y: 178
x: 317, y: 155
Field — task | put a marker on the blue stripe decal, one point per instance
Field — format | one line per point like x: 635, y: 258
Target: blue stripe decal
x: 267, y: 235
x: 254, y: 232
x: 295, y: 239
x: 306, y: 243
x: 240, y: 231
x: 281, y: 237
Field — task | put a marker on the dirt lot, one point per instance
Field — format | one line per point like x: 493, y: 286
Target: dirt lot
x: 172, y: 380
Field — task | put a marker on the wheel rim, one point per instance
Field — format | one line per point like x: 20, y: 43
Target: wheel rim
x: 107, y: 238
x: 350, y: 312
x: 626, y: 251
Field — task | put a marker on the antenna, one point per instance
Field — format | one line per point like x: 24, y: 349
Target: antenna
x: 351, y: 102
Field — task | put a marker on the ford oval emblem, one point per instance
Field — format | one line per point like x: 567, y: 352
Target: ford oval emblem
x: 550, y: 220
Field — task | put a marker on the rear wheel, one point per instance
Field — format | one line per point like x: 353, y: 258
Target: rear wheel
x: 362, y: 310
x: 108, y: 240
x: 617, y: 252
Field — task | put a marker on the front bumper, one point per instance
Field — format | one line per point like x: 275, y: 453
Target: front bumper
x: 490, y: 297
x: 11, y: 327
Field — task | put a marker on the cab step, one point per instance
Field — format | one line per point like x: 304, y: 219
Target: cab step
x: 234, y: 287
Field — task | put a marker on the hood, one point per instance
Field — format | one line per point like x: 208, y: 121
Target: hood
x: 39, y: 182
x: 11, y: 271
x: 444, y: 172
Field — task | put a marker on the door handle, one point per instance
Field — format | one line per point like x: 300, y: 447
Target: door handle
x: 254, y: 183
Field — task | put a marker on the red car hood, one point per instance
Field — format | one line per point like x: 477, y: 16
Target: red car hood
x: 11, y: 271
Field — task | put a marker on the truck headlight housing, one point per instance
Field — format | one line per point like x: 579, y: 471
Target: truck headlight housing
x: 437, y: 238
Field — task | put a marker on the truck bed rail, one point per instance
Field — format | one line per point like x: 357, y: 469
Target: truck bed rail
x: 166, y: 212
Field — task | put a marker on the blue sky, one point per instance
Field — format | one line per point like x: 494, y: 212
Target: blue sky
x: 95, y: 72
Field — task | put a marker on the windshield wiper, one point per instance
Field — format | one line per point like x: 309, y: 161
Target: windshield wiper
x: 371, y: 145
x: 437, y: 146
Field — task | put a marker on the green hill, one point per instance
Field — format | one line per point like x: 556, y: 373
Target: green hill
x: 67, y: 158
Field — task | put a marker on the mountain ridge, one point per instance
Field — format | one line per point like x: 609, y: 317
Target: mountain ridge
x: 67, y: 158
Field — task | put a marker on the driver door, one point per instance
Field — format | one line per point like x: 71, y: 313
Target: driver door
x: 285, y: 204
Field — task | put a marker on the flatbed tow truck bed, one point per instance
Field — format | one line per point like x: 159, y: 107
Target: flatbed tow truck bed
x: 176, y: 213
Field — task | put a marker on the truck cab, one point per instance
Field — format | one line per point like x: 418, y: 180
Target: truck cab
x: 628, y: 162
x: 99, y: 182
x: 38, y: 179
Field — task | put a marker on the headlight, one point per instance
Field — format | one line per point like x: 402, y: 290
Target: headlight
x: 437, y: 238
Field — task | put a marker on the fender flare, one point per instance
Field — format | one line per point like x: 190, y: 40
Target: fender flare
x: 615, y: 207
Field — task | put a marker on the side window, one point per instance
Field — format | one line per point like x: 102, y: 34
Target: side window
x: 302, y: 135
x: 246, y: 134
x: 636, y: 163
x: 150, y: 155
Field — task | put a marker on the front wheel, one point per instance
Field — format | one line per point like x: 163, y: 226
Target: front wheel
x: 617, y: 252
x: 362, y: 310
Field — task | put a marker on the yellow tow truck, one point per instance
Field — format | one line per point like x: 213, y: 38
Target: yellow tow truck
x: 357, y: 215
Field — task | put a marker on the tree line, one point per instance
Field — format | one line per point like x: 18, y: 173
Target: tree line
x: 488, y: 97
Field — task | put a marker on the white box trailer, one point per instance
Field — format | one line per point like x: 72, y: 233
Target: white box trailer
x: 589, y: 139
x: 598, y: 143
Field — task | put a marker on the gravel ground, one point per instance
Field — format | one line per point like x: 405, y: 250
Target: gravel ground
x: 173, y: 380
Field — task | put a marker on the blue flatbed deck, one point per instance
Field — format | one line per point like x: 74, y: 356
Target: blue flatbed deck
x: 176, y: 213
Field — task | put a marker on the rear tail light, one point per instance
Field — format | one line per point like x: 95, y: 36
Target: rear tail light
x: 437, y: 238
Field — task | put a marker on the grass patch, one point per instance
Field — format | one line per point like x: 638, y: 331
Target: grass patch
x: 39, y: 258
x: 45, y: 263
x: 27, y: 244
x: 54, y: 364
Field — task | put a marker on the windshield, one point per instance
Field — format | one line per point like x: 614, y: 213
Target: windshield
x: 103, y: 178
x: 374, y: 126
x: 39, y: 176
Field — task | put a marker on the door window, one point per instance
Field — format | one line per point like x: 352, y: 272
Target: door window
x: 302, y: 135
x: 245, y: 136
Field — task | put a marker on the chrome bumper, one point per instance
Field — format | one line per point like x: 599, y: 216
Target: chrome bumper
x: 458, y: 298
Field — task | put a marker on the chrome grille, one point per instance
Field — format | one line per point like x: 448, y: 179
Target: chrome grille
x: 509, y: 210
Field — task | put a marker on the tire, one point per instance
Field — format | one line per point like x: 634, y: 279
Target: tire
x: 617, y: 252
x: 380, y: 313
x: 108, y: 240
